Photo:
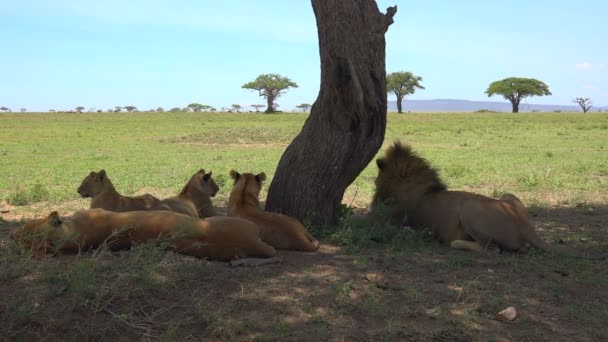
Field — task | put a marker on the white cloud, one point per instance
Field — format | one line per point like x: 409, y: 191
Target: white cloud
x: 583, y: 66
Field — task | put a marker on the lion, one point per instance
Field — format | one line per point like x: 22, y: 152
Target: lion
x: 277, y: 230
x: 195, y: 198
x: 103, y: 195
x: 216, y: 238
x: 411, y: 190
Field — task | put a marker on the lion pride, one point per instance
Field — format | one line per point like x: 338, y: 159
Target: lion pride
x: 217, y: 238
x: 411, y: 190
x: 195, y: 198
x: 277, y: 230
x: 103, y: 195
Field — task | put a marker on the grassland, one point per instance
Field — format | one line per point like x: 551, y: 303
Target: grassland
x: 359, y: 286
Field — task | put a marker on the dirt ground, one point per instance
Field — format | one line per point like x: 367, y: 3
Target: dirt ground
x: 421, y: 292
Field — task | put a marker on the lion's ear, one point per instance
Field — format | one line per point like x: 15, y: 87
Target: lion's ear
x: 260, y: 177
x: 207, y: 176
x: 53, y: 219
x: 201, y: 171
x: 102, y: 174
x: 381, y: 163
x: 235, y: 175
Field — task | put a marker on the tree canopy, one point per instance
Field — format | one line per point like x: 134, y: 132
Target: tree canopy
x: 270, y: 86
x: 130, y: 108
x: 516, y: 89
x: 402, y: 83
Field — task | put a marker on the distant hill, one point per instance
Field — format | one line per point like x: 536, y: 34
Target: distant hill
x: 450, y: 105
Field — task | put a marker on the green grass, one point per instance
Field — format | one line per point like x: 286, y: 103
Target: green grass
x: 544, y: 158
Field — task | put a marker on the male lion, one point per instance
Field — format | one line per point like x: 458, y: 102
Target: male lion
x: 277, y: 230
x: 195, y: 198
x: 218, y: 238
x: 98, y: 186
x: 412, y: 190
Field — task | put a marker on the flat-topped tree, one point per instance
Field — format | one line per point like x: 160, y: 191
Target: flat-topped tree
x: 257, y: 107
x: 401, y: 84
x: 347, y: 123
x: 195, y: 107
x: 270, y: 86
x: 516, y: 89
x: 130, y: 108
x: 304, y: 107
x: 79, y: 109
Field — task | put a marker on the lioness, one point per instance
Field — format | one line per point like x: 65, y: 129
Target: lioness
x: 103, y: 195
x: 277, y: 230
x: 218, y: 238
x: 195, y: 198
x: 412, y: 190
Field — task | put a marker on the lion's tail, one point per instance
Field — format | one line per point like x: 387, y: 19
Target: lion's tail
x: 532, y: 238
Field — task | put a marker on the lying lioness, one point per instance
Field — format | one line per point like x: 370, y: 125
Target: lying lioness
x: 218, y: 238
x: 413, y: 191
x: 103, y: 195
x: 277, y: 230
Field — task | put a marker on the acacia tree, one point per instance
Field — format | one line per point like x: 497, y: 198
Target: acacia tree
x: 236, y: 107
x: 196, y: 107
x: 402, y: 83
x: 79, y: 109
x: 516, y: 89
x: 270, y: 86
x: 304, y: 107
x: 584, y: 102
x: 130, y: 108
x: 160, y: 109
x: 257, y: 107
x: 23, y: 110
x: 347, y: 122
x: 118, y: 109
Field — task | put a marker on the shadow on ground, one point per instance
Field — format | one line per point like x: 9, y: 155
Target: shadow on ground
x: 423, y: 293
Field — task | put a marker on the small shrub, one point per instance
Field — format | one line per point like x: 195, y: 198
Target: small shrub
x: 23, y: 196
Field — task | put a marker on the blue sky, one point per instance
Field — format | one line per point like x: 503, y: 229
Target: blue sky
x: 65, y: 53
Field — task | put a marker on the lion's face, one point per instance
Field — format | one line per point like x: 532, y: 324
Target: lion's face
x: 205, y: 183
x: 93, y: 184
x: 252, y: 183
x: 38, y: 235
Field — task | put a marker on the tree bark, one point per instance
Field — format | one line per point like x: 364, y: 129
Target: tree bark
x: 347, y: 122
x: 399, y: 105
x: 515, y: 105
x: 270, y: 104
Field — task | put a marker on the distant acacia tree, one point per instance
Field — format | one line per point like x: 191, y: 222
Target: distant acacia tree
x: 516, y: 89
x: 51, y: 111
x: 130, y: 108
x: 175, y: 109
x: 257, y: 107
x: 206, y: 108
x: 79, y: 109
x: 160, y: 109
x: 584, y: 102
x: 195, y: 107
x: 304, y: 107
x: 5, y: 109
x: 23, y: 110
x: 402, y: 83
x: 110, y: 110
x: 270, y: 86
x: 236, y: 107
x: 117, y: 109
x: 99, y: 111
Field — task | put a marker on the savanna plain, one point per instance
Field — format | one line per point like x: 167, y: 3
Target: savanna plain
x: 374, y: 282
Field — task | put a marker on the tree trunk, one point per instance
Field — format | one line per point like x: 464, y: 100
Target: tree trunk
x: 347, y: 122
x: 515, y: 105
x: 270, y: 103
x: 399, y: 105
